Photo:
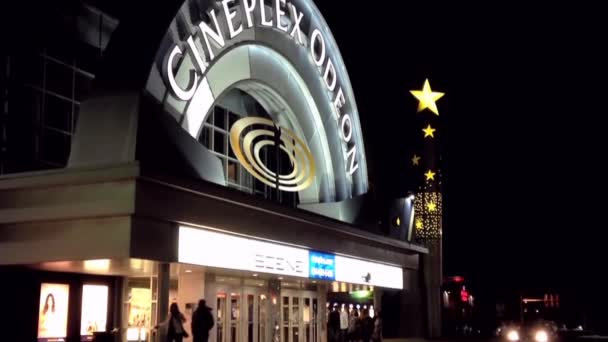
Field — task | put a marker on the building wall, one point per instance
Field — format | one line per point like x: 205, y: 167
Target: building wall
x: 20, y: 288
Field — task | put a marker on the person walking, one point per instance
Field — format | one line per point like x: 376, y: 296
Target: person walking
x: 174, y: 325
x: 202, y: 322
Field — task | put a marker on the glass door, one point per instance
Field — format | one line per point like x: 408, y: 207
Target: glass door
x: 299, y: 320
x: 241, y: 315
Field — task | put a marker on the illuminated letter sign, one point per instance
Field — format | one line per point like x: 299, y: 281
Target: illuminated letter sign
x: 281, y: 16
x: 214, y: 249
x: 322, y: 266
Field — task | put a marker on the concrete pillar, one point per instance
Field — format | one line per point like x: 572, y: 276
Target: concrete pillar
x: 432, y: 272
x: 274, y: 310
x: 412, y: 312
x: 162, y: 297
x: 322, y: 290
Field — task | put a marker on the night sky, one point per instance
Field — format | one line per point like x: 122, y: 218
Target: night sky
x: 522, y: 128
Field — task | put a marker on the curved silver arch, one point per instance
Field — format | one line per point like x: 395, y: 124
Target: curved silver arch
x: 279, y: 73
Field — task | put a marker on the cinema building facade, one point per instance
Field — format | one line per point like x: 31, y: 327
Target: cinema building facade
x: 162, y: 153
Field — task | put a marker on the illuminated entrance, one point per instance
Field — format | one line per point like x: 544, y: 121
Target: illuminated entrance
x: 299, y: 316
x: 242, y: 311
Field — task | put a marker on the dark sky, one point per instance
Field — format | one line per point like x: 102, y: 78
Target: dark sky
x: 523, y: 133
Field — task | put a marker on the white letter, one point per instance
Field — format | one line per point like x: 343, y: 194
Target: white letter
x: 296, y: 18
x: 330, y: 69
x: 194, y: 53
x: 315, y: 37
x: 351, y: 156
x: 263, y: 12
x: 339, y: 101
x: 278, y: 13
x: 216, y: 35
x: 229, y: 16
x: 183, y: 95
x: 346, y: 118
x: 248, y: 9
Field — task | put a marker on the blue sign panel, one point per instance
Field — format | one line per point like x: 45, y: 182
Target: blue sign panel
x: 322, y: 266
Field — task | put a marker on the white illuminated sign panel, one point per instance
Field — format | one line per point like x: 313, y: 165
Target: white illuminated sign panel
x: 214, y: 249
x: 206, y: 248
x: 357, y: 271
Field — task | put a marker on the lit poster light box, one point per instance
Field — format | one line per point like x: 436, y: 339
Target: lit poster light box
x: 53, y: 313
x: 94, y: 310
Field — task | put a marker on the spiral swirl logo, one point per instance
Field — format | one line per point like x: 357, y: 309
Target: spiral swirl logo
x: 248, y: 136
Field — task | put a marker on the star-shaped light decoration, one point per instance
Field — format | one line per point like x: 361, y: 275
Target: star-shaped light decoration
x: 429, y: 131
x: 419, y: 224
x: 430, y: 175
x: 416, y: 160
x: 431, y: 206
x: 426, y: 98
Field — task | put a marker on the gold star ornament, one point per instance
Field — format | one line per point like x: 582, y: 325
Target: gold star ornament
x: 419, y: 224
x: 429, y: 131
x: 426, y: 98
x: 416, y: 160
x: 431, y: 206
x: 430, y: 175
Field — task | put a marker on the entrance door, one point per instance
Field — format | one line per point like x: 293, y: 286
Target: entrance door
x: 299, y: 319
x: 242, y: 315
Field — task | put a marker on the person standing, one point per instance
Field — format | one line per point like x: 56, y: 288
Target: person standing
x: 343, y: 323
x: 333, y: 326
x: 354, y: 327
x: 174, y: 325
x: 377, y: 334
x: 202, y: 322
x: 367, y: 324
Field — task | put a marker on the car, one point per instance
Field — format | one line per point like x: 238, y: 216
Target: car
x: 539, y: 331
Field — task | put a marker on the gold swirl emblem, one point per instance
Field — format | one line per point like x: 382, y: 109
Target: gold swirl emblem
x: 247, y: 138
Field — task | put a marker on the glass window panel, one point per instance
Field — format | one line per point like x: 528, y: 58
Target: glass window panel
x: 219, y: 118
x: 219, y: 142
x: 83, y: 87
x: 58, y: 113
x: 205, y: 138
x: 55, y: 147
x: 27, y: 68
x: 232, y: 118
x: 233, y: 172
x: 59, y: 79
x: 25, y: 104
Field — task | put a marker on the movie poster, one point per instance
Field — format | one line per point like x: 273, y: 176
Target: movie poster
x: 94, y: 312
x: 53, y: 313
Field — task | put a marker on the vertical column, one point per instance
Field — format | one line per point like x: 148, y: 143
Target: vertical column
x: 162, y: 297
x: 118, y: 312
x: 322, y: 290
x: 412, y: 309
x: 274, y: 312
x: 432, y: 272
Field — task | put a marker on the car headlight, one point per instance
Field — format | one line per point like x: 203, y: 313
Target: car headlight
x: 513, y: 336
x: 541, y: 336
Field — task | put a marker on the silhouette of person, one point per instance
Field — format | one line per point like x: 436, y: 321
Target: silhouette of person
x: 202, y: 322
x: 175, y: 325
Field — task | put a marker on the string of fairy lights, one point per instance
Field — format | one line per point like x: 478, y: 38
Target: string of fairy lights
x: 428, y: 203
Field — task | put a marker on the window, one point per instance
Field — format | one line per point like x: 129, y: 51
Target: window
x: 215, y: 136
